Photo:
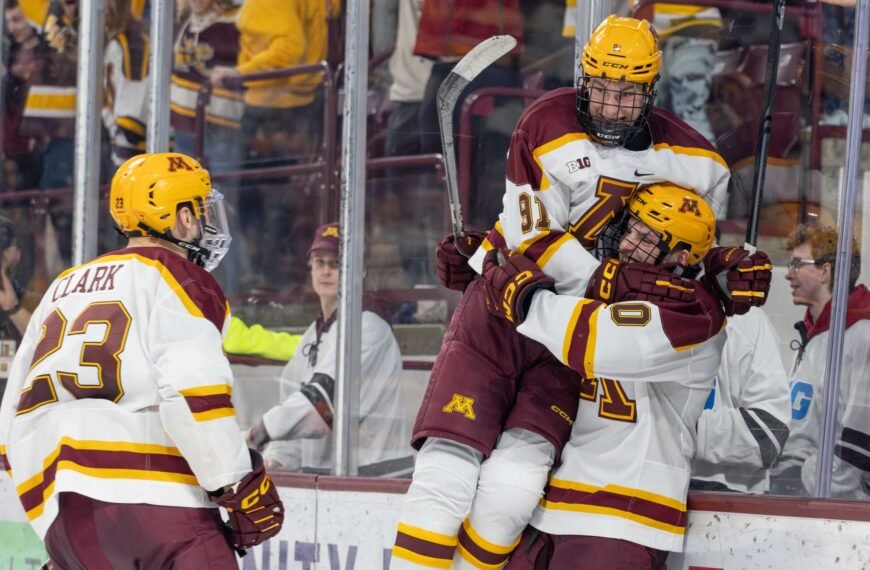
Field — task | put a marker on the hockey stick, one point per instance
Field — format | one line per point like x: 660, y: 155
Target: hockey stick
x: 771, y: 73
x: 479, y: 58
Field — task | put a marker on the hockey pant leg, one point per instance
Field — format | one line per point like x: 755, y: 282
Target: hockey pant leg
x: 440, y: 495
x: 512, y: 481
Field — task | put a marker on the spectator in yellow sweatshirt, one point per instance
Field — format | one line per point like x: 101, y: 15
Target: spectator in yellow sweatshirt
x: 281, y: 114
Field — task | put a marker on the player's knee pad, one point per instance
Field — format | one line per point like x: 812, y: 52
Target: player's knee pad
x: 440, y: 495
x: 511, y: 483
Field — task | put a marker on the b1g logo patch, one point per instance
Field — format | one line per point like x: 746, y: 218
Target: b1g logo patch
x: 461, y: 404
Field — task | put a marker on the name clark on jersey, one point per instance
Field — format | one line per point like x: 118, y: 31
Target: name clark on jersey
x: 102, y: 279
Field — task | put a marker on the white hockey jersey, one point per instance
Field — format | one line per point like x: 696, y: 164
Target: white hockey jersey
x: 562, y: 188
x: 305, y: 417
x: 851, y: 472
x: 745, y: 420
x: 648, y: 369
x: 121, y: 391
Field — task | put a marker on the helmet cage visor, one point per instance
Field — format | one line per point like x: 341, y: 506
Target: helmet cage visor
x: 214, y: 240
x: 612, y: 111
x: 642, y: 244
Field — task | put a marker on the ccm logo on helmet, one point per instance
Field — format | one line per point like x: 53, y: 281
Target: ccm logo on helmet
x: 177, y: 163
x: 614, y: 65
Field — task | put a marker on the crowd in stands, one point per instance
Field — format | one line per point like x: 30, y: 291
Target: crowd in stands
x: 712, y: 78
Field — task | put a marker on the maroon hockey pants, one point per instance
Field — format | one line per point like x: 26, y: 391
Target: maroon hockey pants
x: 94, y: 535
x: 541, y: 551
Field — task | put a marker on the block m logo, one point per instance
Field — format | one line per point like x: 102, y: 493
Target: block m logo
x: 690, y: 206
x: 461, y: 404
x: 177, y: 163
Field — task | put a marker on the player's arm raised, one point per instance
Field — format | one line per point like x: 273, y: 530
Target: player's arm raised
x: 632, y: 340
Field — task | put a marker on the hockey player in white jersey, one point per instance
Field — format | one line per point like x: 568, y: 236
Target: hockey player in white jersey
x: 575, y: 158
x: 745, y: 421
x: 811, y: 277
x: 117, y: 425
x: 618, y: 498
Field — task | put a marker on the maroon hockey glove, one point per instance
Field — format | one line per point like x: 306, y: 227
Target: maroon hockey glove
x: 739, y: 279
x: 255, y: 509
x: 452, y: 259
x: 616, y: 281
x: 510, y: 285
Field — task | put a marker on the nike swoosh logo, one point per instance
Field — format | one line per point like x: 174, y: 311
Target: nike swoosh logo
x: 636, y: 173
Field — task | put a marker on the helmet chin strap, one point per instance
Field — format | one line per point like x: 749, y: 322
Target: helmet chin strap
x: 195, y: 252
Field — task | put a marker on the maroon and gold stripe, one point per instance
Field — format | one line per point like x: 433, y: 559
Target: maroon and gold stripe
x: 4, y: 461
x: 209, y: 402
x: 104, y: 460
x: 479, y: 552
x: 495, y: 238
x: 579, y: 344
x: 657, y: 511
x: 424, y: 547
x: 542, y: 247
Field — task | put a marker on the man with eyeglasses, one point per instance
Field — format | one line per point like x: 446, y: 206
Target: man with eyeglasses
x: 811, y: 278
x: 296, y: 435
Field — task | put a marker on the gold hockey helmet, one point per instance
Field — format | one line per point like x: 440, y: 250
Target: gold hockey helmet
x: 147, y: 191
x: 623, y: 49
x: 681, y: 218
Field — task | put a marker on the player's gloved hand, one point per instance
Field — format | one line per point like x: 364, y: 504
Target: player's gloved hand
x: 510, y: 280
x: 255, y: 509
x: 616, y: 281
x: 739, y: 279
x: 451, y: 257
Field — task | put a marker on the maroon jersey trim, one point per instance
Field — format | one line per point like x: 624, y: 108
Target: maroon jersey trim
x: 197, y: 284
x: 107, y: 460
x: 643, y: 511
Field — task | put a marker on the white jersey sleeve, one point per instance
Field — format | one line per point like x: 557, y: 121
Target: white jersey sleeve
x: 850, y: 476
x: 536, y: 218
x: 297, y: 417
x: 631, y: 341
x: 746, y: 423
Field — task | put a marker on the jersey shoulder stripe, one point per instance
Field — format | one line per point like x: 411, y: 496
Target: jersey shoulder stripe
x: 578, y: 349
x: 550, y: 116
x: 195, y: 287
x: 670, y: 132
